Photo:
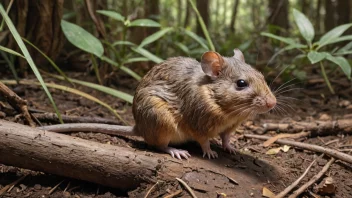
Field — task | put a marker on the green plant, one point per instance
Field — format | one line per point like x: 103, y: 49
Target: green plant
x: 312, y: 50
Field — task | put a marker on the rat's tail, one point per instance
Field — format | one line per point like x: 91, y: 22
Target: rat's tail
x: 92, y: 127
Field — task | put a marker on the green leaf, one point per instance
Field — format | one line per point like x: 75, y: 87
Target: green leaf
x: 57, y: 68
x: 196, y: 38
x: 344, y: 52
x: 144, y: 23
x: 280, y: 38
x: 112, y: 14
x: 147, y: 54
x: 154, y: 36
x: 342, y: 62
x: 339, y: 39
x: 137, y: 59
x: 71, y: 90
x: 123, y: 43
x: 11, y: 65
x: 289, y: 47
x: 347, y: 47
x: 304, y: 25
x: 202, y: 25
x: 183, y: 47
x: 118, y: 94
x: 28, y: 57
x: 82, y: 39
x: 315, y: 57
x: 333, y: 34
x: 123, y: 68
x: 8, y: 50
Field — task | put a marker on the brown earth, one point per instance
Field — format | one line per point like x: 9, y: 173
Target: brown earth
x: 251, y: 167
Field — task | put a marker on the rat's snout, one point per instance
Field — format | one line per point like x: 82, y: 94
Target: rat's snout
x: 270, y: 102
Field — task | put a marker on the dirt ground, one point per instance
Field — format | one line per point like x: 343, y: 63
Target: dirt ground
x: 251, y: 167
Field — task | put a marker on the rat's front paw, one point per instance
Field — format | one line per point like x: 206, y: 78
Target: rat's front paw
x: 210, y: 153
x: 227, y: 147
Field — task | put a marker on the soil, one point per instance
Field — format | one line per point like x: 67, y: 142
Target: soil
x: 251, y: 168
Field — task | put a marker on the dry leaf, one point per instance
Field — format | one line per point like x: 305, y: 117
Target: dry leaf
x: 267, y: 193
x: 286, y: 148
x: 327, y: 186
x: 273, y: 151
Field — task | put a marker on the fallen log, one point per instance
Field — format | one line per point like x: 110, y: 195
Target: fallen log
x: 68, y: 156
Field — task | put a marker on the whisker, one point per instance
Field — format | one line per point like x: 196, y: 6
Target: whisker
x: 284, y: 91
x: 279, y: 74
x: 283, y: 85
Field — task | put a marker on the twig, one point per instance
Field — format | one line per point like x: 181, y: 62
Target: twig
x: 177, y: 192
x: 332, y: 141
x: 228, y: 177
x: 8, y: 187
x: 16, y: 102
x: 150, y: 190
x: 68, y: 185
x: 57, y: 185
x: 316, y: 128
x: 295, y: 183
x: 187, y: 187
x: 331, y: 152
x: 312, y: 180
x: 73, y: 119
x: 285, y: 135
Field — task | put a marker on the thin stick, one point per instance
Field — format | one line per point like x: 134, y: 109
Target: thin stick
x: 177, y: 192
x: 331, y: 152
x: 312, y: 180
x: 187, y: 187
x: 55, y: 187
x: 295, y: 183
x: 8, y: 187
x: 150, y: 190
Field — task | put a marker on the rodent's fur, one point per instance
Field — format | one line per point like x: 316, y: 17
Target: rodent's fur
x: 182, y: 99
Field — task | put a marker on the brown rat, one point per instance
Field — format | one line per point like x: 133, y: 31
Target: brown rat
x: 182, y: 99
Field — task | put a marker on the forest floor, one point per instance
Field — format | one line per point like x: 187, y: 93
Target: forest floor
x: 251, y: 167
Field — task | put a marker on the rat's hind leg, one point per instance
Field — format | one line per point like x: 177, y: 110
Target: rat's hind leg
x: 158, y: 126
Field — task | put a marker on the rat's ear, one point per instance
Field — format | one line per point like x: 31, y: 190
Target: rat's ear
x: 212, y: 63
x: 238, y: 55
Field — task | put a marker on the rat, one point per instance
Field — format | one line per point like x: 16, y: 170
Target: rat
x: 182, y: 100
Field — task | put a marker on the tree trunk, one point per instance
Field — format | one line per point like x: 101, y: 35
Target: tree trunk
x: 104, y: 164
x: 343, y: 11
x: 39, y: 22
x: 330, y: 15
x: 318, y: 17
x: 279, y: 15
x: 234, y: 14
x: 305, y: 5
x: 203, y: 8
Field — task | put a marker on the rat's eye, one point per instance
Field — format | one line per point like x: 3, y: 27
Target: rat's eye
x: 241, y: 84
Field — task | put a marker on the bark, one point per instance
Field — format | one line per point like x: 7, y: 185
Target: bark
x: 279, y: 15
x: 104, y: 164
x: 234, y: 14
x: 203, y: 8
x: 330, y: 15
x: 43, y: 29
x: 318, y: 16
x: 305, y: 5
x: 344, y: 12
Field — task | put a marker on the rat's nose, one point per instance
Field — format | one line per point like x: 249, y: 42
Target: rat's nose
x: 270, y: 102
